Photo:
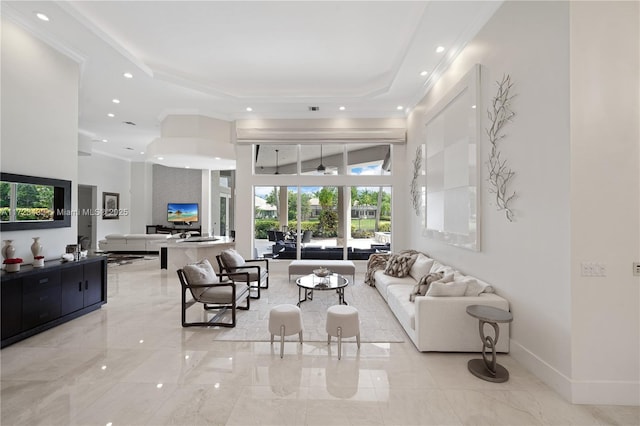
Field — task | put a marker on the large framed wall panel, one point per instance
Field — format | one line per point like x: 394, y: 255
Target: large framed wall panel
x: 452, y: 165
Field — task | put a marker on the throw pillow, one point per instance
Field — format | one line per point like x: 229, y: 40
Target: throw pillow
x: 475, y: 287
x: 200, y: 273
x: 447, y: 278
x: 451, y: 289
x: 232, y: 259
x: 399, y: 265
x: 421, y: 267
x: 421, y: 288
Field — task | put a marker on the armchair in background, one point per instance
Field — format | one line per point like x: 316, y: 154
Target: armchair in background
x: 208, y: 288
x: 231, y: 262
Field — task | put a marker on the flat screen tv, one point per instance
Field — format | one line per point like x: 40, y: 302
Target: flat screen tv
x: 182, y: 212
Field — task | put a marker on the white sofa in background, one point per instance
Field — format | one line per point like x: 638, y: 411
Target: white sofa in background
x: 132, y: 242
x: 441, y: 323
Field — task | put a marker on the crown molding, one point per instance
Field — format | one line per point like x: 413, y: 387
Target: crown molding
x: 469, y: 33
x: 105, y: 37
x: 29, y: 25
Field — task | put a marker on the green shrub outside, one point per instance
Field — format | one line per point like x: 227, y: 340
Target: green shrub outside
x: 330, y: 229
x: 261, y: 227
x: 27, y: 214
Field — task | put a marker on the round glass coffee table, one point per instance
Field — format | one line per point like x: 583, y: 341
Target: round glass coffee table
x: 308, y: 283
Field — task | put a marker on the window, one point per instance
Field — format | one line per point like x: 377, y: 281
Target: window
x: 308, y: 218
x: 29, y: 202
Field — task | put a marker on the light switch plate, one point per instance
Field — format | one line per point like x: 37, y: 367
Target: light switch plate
x: 636, y: 269
x: 593, y: 269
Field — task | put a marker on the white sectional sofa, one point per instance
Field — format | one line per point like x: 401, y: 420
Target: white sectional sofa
x: 440, y: 323
x: 132, y: 242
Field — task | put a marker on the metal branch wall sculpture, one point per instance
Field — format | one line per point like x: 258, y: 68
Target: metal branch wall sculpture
x: 415, y: 190
x: 500, y: 174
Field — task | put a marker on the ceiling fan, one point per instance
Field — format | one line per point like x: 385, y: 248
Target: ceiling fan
x: 323, y: 169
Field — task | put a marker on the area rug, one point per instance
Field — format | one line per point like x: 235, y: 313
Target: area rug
x: 377, y: 323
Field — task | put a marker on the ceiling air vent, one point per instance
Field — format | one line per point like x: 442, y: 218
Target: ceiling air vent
x: 130, y: 123
x: 314, y: 108
x: 129, y: 148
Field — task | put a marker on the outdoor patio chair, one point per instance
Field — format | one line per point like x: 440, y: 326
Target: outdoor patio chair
x: 231, y: 262
x: 219, y: 292
x: 306, y: 237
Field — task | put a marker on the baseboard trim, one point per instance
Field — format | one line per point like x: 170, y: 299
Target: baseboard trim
x: 594, y: 392
x: 606, y: 393
x: 543, y: 370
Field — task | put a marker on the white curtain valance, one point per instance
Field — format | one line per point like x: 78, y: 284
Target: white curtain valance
x: 324, y: 136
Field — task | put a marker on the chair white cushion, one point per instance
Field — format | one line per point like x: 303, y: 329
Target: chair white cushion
x: 232, y: 259
x: 223, y: 294
x: 200, y: 273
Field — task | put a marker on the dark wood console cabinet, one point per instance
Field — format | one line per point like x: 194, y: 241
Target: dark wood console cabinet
x: 37, y: 299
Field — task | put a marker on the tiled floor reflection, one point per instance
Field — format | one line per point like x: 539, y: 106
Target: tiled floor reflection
x: 131, y: 363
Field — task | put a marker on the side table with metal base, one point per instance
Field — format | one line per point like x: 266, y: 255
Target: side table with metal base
x: 484, y: 368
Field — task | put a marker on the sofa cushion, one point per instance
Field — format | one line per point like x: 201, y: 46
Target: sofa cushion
x: 474, y: 286
x: 402, y: 308
x: 438, y: 267
x: 399, y: 265
x: 421, y: 267
x: 421, y: 288
x: 382, y: 281
x: 450, y: 289
x: 200, y: 273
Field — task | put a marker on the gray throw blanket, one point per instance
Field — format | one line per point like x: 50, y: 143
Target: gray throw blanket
x: 379, y: 261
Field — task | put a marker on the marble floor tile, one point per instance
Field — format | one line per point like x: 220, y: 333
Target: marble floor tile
x: 131, y: 363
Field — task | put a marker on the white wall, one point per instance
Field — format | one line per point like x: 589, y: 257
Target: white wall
x: 605, y: 188
x: 174, y: 185
x: 533, y: 261
x: 141, y: 196
x: 39, y: 135
x: 108, y: 174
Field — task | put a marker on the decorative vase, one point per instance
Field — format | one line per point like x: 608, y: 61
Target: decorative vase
x: 8, y: 251
x: 36, y: 247
x: 12, y: 267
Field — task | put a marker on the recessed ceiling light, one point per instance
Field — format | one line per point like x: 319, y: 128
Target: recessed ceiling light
x: 127, y: 75
x: 116, y: 101
x: 399, y: 107
x: 423, y: 73
x: 41, y: 16
x: 439, y: 49
x: 111, y: 115
x: 160, y: 158
x: 342, y: 108
x: 217, y: 158
x: 141, y: 152
x: 473, y: 107
x: 105, y: 140
x: 249, y: 109
x: 187, y: 167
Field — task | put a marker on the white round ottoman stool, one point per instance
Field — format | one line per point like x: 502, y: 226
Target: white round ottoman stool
x: 342, y: 321
x: 285, y: 320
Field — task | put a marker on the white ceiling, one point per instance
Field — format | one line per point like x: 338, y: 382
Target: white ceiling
x: 217, y: 58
